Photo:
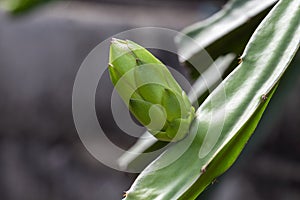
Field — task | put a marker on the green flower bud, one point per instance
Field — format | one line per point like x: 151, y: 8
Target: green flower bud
x: 149, y: 90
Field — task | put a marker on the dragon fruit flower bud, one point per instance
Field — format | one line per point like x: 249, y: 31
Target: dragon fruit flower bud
x: 150, y: 91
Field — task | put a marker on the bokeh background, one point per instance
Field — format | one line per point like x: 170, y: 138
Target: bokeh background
x: 41, y: 155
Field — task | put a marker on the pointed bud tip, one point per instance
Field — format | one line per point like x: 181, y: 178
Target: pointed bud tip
x: 115, y: 40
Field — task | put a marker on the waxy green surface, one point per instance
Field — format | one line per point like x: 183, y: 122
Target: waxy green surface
x: 227, y: 31
x: 248, y: 90
x: 226, y: 25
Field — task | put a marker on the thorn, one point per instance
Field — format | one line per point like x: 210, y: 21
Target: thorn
x: 214, y: 181
x: 240, y: 60
x: 125, y: 194
x: 203, y: 170
x: 110, y: 65
x: 264, y: 97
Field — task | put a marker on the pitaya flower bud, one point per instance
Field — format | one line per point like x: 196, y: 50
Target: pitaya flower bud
x: 149, y: 90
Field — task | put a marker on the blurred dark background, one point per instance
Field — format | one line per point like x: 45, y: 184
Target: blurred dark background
x: 41, y: 155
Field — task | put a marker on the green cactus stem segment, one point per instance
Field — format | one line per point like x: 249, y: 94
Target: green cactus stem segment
x: 150, y: 91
